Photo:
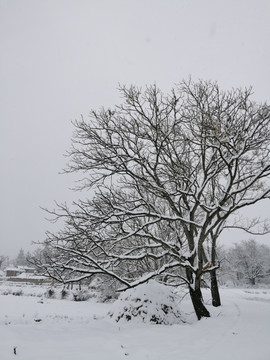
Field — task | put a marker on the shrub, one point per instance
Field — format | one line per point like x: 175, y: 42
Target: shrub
x: 17, y: 292
x: 6, y: 292
x: 148, y: 303
x: 81, y: 295
x: 64, y: 294
x: 50, y: 293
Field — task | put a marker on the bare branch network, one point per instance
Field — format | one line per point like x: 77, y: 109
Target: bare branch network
x: 168, y: 172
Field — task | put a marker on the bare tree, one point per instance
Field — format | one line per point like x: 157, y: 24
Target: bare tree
x: 21, y: 259
x: 3, y: 260
x: 249, y: 261
x: 168, y: 172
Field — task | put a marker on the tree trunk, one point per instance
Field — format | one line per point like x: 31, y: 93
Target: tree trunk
x: 214, y: 289
x: 196, y: 295
x: 213, y: 275
x: 197, y: 301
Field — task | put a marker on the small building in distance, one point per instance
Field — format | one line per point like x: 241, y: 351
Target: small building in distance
x: 13, y: 271
x: 25, y: 274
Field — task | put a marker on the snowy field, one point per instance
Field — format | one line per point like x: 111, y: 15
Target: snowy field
x: 50, y: 329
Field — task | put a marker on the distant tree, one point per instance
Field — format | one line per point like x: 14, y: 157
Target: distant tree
x: 167, y: 173
x: 21, y: 259
x: 249, y: 261
x: 3, y: 261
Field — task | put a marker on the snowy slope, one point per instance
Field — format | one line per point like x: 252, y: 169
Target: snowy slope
x: 65, y: 330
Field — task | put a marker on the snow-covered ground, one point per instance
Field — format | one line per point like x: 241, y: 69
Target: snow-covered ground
x: 50, y: 329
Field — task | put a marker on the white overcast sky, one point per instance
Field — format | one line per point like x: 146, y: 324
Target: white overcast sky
x: 61, y: 58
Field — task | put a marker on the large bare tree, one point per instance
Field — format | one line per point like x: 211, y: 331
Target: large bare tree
x: 167, y: 173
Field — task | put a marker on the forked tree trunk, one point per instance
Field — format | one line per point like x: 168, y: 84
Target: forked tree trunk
x: 214, y: 289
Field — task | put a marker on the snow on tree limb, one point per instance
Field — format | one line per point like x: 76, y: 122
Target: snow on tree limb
x: 168, y: 172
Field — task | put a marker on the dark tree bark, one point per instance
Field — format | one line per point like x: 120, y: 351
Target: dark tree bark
x: 197, y: 301
x: 196, y: 295
x: 213, y: 274
x: 214, y: 289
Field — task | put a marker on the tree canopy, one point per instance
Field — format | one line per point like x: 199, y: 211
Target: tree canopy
x: 168, y: 172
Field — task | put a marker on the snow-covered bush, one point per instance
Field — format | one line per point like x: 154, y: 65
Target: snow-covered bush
x: 21, y: 290
x: 17, y: 292
x: 81, y: 295
x: 6, y: 292
x: 64, y: 294
x: 50, y: 293
x: 148, y: 303
x: 104, y: 288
